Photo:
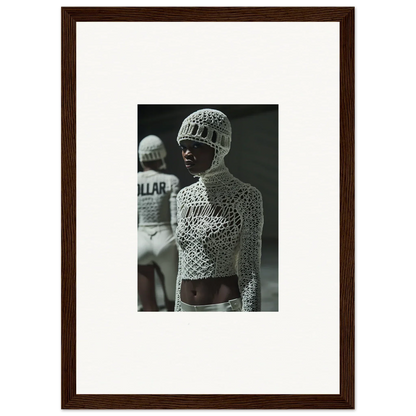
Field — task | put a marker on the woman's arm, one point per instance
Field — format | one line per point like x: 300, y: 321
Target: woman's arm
x: 175, y: 187
x: 178, y: 307
x: 250, y: 250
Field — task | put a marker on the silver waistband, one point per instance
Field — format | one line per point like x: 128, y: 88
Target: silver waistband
x: 233, y: 305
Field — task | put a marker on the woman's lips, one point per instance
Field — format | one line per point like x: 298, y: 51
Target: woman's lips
x: 189, y: 164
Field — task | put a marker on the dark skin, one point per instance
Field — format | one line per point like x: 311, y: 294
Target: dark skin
x: 210, y: 290
x: 146, y: 274
x: 198, y: 158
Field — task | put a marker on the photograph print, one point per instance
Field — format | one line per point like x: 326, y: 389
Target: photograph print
x: 207, y: 201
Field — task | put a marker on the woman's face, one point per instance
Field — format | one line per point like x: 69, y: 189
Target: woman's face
x: 197, y: 156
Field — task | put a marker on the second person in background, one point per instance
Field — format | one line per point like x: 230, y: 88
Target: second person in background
x: 156, y: 212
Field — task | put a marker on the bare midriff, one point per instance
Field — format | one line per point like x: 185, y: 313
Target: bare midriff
x: 210, y: 290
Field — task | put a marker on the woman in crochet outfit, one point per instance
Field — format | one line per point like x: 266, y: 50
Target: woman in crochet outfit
x: 220, y: 221
x: 156, y: 209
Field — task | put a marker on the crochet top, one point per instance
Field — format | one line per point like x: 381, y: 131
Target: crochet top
x: 220, y: 222
x: 156, y: 198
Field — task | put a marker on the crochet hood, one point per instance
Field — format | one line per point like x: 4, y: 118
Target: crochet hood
x: 212, y: 128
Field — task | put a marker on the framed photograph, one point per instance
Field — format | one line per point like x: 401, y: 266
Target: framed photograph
x: 284, y: 78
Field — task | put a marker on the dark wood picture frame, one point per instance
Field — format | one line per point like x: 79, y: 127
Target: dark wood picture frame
x: 69, y: 398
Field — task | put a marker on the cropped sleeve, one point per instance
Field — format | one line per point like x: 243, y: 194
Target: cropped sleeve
x: 250, y: 250
x: 174, y: 184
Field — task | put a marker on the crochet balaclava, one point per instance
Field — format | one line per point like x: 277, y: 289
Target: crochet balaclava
x: 210, y: 127
x: 152, y: 148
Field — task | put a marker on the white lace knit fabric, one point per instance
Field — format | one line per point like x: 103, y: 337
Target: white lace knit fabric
x: 156, y: 198
x: 152, y: 148
x: 156, y: 191
x: 220, y: 218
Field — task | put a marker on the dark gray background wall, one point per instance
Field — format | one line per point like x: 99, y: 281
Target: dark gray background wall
x: 253, y: 157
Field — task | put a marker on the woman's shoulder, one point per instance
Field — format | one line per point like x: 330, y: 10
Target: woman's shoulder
x: 157, y: 176
x: 168, y: 176
x: 247, y: 192
x: 188, y: 190
x: 243, y: 186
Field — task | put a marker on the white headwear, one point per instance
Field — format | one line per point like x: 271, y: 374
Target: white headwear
x: 211, y: 127
x: 152, y: 148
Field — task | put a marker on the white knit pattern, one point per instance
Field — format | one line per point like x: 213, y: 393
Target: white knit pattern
x: 211, y: 127
x: 156, y: 198
x: 151, y: 148
x: 220, y: 221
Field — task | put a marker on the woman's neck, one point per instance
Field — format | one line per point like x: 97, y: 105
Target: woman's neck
x: 216, y: 175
